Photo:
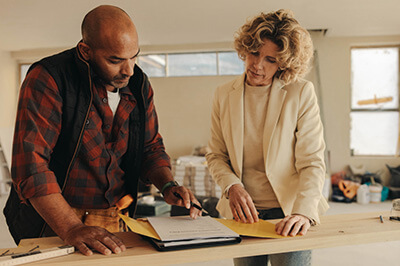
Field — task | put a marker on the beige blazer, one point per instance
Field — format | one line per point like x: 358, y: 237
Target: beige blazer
x: 292, y: 141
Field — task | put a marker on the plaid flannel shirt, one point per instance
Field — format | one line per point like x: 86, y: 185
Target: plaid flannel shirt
x: 96, y: 179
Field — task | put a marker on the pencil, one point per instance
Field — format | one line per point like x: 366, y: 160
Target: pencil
x: 380, y: 217
x: 191, y: 203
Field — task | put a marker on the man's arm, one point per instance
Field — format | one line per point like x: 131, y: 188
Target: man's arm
x: 37, y: 128
x: 62, y: 219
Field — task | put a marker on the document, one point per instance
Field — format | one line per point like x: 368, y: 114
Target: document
x: 184, y: 227
x: 262, y: 228
x: 180, y: 232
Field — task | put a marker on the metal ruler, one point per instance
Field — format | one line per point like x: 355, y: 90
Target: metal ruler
x: 21, y: 258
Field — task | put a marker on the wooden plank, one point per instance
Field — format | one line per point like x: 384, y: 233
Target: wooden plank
x: 335, y: 230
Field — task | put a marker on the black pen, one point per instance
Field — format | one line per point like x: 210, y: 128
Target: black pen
x: 25, y: 254
x: 191, y: 203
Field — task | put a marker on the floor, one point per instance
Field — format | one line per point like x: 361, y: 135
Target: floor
x: 386, y: 253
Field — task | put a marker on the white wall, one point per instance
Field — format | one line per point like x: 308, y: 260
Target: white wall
x: 184, y: 103
x: 184, y: 110
x: 334, y: 61
x: 8, y: 89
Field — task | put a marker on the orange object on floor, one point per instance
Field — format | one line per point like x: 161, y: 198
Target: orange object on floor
x: 336, y: 177
x: 349, y: 188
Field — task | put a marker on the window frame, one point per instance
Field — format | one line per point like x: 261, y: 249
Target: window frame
x: 167, y: 71
x: 376, y: 110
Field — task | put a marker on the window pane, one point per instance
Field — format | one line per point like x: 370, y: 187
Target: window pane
x: 374, y: 72
x: 230, y: 63
x: 153, y: 65
x: 196, y: 64
x: 374, y: 133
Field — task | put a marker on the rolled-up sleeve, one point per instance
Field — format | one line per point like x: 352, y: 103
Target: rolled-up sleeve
x: 37, y: 128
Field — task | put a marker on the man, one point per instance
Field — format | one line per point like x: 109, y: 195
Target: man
x: 86, y: 131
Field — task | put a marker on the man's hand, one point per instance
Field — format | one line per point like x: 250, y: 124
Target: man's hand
x: 160, y: 176
x: 85, y: 238
x: 293, y: 225
x: 242, y: 205
x: 185, y: 199
x: 65, y: 223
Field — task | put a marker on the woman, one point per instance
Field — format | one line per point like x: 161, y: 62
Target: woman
x: 266, y: 141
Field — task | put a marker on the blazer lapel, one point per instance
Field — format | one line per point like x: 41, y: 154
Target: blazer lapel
x: 276, y: 99
x: 236, y: 120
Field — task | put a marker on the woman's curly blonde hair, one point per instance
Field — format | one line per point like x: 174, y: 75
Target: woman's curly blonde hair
x: 293, y: 41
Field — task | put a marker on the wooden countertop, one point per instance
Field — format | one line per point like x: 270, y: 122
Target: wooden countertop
x: 335, y: 230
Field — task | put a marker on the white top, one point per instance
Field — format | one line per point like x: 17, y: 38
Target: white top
x: 255, y: 180
x: 113, y: 100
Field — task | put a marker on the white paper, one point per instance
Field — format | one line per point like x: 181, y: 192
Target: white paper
x: 184, y: 227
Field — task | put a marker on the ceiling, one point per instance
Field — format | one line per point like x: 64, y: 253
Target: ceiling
x: 35, y: 24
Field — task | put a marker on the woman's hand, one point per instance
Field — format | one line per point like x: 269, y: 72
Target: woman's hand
x: 293, y: 225
x: 242, y: 205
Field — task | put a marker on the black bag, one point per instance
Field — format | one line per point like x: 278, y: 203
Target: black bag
x: 395, y: 176
x: 23, y: 221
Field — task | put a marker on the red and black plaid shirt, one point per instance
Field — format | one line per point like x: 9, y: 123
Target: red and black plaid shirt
x: 95, y: 181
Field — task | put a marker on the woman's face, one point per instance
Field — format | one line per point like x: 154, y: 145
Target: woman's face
x: 261, y: 66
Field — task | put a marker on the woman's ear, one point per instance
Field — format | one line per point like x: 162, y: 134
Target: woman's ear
x: 85, y: 50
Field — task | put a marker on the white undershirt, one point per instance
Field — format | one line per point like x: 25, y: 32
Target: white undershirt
x: 113, y: 100
x: 255, y: 180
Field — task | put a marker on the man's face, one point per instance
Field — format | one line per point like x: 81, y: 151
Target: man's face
x: 114, y: 61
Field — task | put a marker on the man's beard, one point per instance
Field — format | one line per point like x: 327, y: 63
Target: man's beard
x: 119, y: 82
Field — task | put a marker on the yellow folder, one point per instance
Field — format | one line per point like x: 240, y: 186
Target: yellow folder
x: 263, y: 229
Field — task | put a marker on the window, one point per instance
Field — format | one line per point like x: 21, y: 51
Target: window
x: 374, y: 101
x: 153, y: 65
x: 195, y: 64
x: 191, y: 64
x: 229, y: 64
x: 183, y: 64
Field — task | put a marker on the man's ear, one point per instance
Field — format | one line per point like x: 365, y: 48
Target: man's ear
x: 85, y: 50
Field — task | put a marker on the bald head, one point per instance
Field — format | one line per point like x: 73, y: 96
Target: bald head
x: 105, y: 25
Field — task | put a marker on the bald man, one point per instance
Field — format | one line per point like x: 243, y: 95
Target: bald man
x: 86, y: 132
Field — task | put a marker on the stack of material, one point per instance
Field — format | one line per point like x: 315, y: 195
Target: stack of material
x: 200, y: 180
x: 192, y: 172
x: 181, y: 174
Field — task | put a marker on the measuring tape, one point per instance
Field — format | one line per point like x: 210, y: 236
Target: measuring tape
x: 21, y: 258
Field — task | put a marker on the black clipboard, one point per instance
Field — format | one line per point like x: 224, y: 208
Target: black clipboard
x: 188, y: 244
x: 175, y: 233
x: 183, y: 232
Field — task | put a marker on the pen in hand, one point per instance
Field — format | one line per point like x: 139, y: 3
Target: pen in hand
x: 191, y: 203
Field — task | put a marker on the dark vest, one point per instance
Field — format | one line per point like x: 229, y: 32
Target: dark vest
x: 73, y: 77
